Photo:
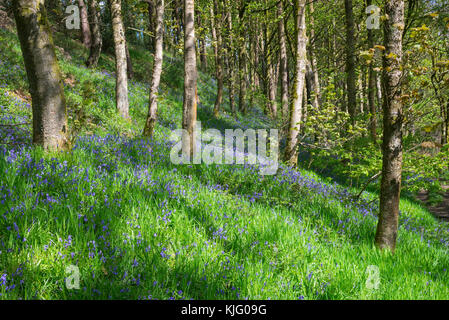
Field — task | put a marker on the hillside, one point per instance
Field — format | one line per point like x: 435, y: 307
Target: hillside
x: 140, y: 227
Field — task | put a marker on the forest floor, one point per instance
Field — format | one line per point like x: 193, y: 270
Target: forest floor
x: 140, y: 227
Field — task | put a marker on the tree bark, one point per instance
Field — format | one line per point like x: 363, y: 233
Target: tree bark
x: 313, y: 61
x: 230, y: 61
x: 291, y: 152
x: 129, y: 63
x: 242, y: 60
x: 151, y: 25
x: 387, y: 227
x: 372, y: 87
x: 283, y: 61
x: 96, y: 40
x: 121, y: 84
x: 216, y: 29
x: 190, y: 79
x: 157, y: 70
x: 350, y: 61
x: 44, y: 77
x: 202, y: 44
x: 85, y: 29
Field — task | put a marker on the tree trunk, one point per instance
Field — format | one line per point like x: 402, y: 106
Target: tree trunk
x: 283, y: 62
x: 372, y: 87
x: 85, y: 30
x: 157, y: 70
x: 96, y: 41
x: 230, y: 62
x: 350, y: 61
x: 129, y: 63
x: 242, y: 59
x: 202, y: 45
x: 44, y: 77
x: 190, y: 78
x: 387, y: 227
x: 217, y: 43
x: 445, y: 124
x: 291, y: 152
x: 313, y: 62
x: 151, y: 26
x: 121, y: 84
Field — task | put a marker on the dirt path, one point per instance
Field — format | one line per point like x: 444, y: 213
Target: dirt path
x: 440, y: 210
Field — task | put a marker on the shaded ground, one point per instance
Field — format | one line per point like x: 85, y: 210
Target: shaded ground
x: 440, y: 210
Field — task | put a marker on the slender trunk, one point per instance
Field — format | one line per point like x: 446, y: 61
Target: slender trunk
x: 44, y: 77
x: 217, y: 43
x: 283, y: 62
x: 121, y: 84
x: 272, y: 89
x: 291, y: 152
x: 96, y: 40
x: 202, y: 45
x: 390, y: 190
x: 313, y: 62
x: 360, y: 93
x: 372, y: 87
x: 230, y: 61
x: 190, y: 79
x: 445, y: 124
x: 151, y: 26
x: 242, y: 63
x: 157, y: 70
x: 85, y: 30
x: 350, y: 61
x: 129, y: 64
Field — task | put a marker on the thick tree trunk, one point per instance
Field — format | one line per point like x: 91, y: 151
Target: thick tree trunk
x: 121, y: 84
x: 216, y: 29
x: 283, y: 62
x: 157, y: 70
x: 44, y: 77
x: 387, y: 227
x: 291, y: 152
x: 350, y: 61
x: 85, y: 29
x: 96, y: 40
x: 190, y: 79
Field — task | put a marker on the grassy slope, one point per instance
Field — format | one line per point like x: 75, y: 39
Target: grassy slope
x: 140, y: 227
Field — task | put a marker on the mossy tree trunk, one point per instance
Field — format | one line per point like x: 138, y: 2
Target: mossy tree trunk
x: 44, y: 77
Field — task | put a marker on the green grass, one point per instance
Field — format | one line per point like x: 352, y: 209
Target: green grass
x: 139, y: 227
